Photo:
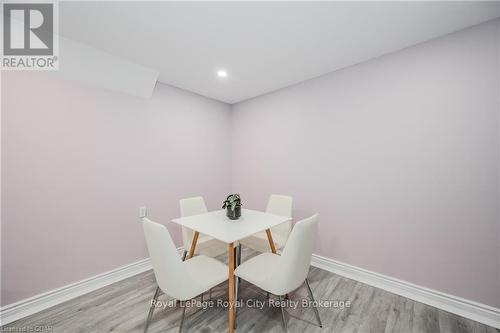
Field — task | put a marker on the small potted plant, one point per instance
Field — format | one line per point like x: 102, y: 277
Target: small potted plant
x: 233, y: 206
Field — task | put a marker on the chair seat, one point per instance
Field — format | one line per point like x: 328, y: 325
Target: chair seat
x: 259, y: 242
x: 207, y: 272
x: 259, y: 271
x: 209, y: 246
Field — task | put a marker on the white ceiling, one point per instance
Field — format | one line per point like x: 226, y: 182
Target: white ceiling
x: 263, y: 46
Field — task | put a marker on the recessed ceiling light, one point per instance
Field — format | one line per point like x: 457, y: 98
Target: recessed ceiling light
x: 221, y: 73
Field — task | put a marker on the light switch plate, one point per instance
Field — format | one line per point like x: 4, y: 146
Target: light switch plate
x: 143, y: 211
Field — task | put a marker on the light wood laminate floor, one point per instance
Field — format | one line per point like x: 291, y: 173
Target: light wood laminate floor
x: 123, y: 307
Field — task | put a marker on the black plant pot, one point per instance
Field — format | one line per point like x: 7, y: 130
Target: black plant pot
x: 233, y: 214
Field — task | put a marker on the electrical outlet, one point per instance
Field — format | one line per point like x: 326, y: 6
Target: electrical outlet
x: 143, y: 211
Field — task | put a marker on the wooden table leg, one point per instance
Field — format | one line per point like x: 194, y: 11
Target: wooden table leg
x: 230, y: 265
x: 193, y: 245
x: 270, y: 239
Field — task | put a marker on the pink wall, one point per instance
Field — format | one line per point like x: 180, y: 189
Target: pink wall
x: 399, y: 155
x: 78, y: 162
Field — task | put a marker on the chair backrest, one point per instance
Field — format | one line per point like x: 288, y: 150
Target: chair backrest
x: 170, y: 273
x: 280, y: 205
x: 296, y: 256
x: 191, y: 206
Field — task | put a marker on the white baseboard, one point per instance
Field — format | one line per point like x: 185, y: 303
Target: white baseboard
x: 29, y: 306
x: 472, y: 310
x: 37, y: 303
x: 479, y: 312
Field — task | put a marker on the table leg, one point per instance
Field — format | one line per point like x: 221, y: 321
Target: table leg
x: 237, y: 262
x: 270, y: 239
x: 230, y: 265
x: 193, y: 245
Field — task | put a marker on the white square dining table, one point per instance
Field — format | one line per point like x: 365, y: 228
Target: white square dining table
x: 217, y: 225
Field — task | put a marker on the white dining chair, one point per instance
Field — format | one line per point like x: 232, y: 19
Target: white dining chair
x: 205, y: 245
x: 181, y: 280
x: 278, y: 205
x: 282, y: 274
